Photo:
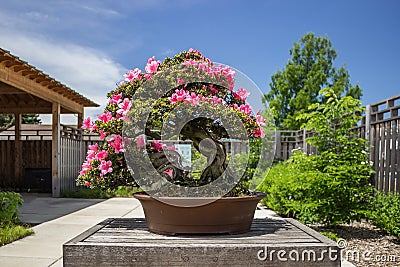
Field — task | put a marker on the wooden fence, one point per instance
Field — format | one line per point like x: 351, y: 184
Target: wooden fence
x: 35, y: 169
x: 380, y: 126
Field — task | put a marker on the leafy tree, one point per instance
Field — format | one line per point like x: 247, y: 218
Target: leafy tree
x: 8, y: 120
x: 309, y: 70
x: 332, y: 186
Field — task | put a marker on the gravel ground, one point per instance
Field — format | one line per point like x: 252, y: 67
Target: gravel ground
x: 366, y: 245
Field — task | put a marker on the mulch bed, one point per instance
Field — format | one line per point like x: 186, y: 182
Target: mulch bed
x: 365, y: 244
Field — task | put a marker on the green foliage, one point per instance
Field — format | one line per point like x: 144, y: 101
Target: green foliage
x: 188, y: 93
x: 333, y: 186
x: 11, y: 232
x: 330, y: 235
x: 308, y: 71
x: 120, y: 191
x: 7, y: 120
x: 385, y: 212
x: 9, y: 204
x: 31, y: 119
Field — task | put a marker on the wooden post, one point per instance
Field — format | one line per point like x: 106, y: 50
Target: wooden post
x: 80, y: 120
x: 17, y: 149
x: 305, y: 141
x: 278, y: 144
x: 368, y: 127
x: 55, y: 149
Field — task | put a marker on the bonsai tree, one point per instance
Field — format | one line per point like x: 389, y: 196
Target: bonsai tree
x: 186, y: 97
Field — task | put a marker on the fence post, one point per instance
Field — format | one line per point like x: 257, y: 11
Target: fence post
x: 368, y: 128
x: 304, y: 141
x: 278, y: 144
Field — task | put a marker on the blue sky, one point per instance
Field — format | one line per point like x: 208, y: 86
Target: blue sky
x: 89, y: 45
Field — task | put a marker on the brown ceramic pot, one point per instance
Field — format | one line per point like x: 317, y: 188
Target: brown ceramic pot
x: 232, y: 215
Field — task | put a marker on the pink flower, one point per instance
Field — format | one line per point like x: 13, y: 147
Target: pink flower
x: 193, y: 99
x: 179, y: 95
x: 117, y: 144
x: 169, y: 172
x: 105, y: 117
x: 101, y: 155
x: 132, y: 75
x: 213, y: 89
x: 260, y: 119
x: 124, y: 106
x: 242, y: 94
x: 245, y: 108
x: 88, y: 184
x: 157, y: 145
x: 105, y: 167
x: 140, y: 142
x: 102, y: 135
x: 115, y: 99
x: 152, y: 65
x: 86, y: 123
x: 93, y: 127
x: 94, y: 147
x: 259, y: 133
x: 180, y: 81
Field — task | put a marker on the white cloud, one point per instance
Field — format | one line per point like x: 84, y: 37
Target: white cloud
x: 86, y: 70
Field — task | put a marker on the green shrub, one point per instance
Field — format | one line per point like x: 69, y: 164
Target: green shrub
x: 120, y: 191
x: 385, y: 213
x: 331, y: 187
x: 330, y: 235
x: 9, y: 204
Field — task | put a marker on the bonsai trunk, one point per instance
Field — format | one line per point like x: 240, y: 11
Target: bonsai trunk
x: 211, y: 148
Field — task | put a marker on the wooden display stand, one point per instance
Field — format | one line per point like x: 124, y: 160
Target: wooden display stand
x: 270, y: 242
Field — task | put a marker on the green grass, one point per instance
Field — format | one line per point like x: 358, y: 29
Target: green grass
x: 12, y: 232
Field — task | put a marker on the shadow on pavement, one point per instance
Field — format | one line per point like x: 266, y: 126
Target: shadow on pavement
x: 40, y: 208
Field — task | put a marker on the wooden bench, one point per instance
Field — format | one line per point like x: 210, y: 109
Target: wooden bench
x: 270, y: 242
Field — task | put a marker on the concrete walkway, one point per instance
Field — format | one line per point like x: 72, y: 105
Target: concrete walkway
x: 61, y: 219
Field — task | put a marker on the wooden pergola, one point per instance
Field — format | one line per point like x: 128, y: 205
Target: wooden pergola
x: 27, y: 90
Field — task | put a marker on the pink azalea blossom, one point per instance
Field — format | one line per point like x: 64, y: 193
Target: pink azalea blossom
x: 86, y: 123
x: 242, y: 94
x: 101, y: 155
x: 169, y: 172
x: 105, y: 117
x: 179, y: 95
x: 193, y: 99
x: 260, y: 119
x: 152, y: 65
x: 245, y: 108
x: 259, y: 133
x: 102, y: 135
x: 124, y: 106
x: 132, y: 75
x: 115, y: 99
x: 157, y: 145
x: 105, y: 167
x: 93, y: 148
x: 180, y: 81
x: 88, y: 184
x: 117, y: 144
x: 213, y: 89
x: 93, y: 127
